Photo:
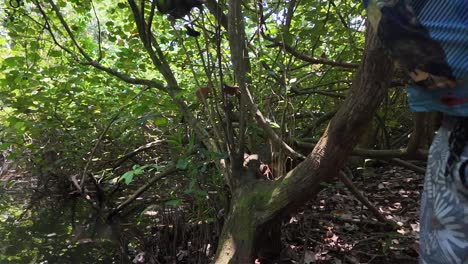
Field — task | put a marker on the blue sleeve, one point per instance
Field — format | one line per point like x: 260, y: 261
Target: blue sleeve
x: 428, y: 40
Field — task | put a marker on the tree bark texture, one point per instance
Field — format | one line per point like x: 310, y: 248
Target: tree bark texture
x: 342, y: 134
x: 258, y: 203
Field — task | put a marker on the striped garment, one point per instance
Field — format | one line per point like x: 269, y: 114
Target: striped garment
x: 429, y: 39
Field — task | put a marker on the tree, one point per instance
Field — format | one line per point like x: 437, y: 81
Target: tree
x: 250, y: 70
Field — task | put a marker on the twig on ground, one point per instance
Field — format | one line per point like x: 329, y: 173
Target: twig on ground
x: 408, y: 165
x: 355, y: 191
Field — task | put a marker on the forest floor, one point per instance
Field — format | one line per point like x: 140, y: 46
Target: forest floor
x: 336, y: 228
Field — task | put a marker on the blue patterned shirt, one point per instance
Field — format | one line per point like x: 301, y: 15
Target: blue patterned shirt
x: 429, y: 40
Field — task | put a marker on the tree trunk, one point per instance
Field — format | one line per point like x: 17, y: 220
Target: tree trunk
x: 258, y: 203
x: 236, y: 243
x: 267, y: 242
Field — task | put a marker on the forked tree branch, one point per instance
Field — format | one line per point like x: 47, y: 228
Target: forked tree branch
x: 240, y: 62
x: 342, y: 134
x: 93, y: 63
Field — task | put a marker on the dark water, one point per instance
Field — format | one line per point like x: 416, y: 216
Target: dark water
x: 37, y: 227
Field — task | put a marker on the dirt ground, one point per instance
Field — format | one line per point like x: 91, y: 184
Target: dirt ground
x: 337, y: 229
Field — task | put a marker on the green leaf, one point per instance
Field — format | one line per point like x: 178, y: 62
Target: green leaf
x: 127, y: 177
x: 55, y: 53
x: 160, y: 121
x: 182, y: 164
x: 4, y: 146
x: 13, y: 61
x: 156, y: 167
x: 141, y: 109
x: 138, y: 171
x: 174, y: 202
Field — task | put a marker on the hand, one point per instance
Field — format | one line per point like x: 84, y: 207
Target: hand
x: 430, y: 81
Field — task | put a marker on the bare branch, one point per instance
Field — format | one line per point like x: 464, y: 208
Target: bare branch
x: 99, y: 31
x: 83, y: 193
x: 150, y: 18
x: 69, y: 32
x: 126, y: 78
x: 217, y: 12
x: 49, y: 29
x: 152, y: 47
x: 141, y: 190
x: 269, y: 130
x: 343, y: 176
x: 95, y: 64
x: 306, y: 58
x: 375, y: 153
x: 159, y: 61
x: 135, y: 152
x: 239, y: 59
x: 240, y: 62
x: 408, y: 165
x: 289, y: 15
x: 317, y: 122
x: 101, y: 136
x: 326, y: 93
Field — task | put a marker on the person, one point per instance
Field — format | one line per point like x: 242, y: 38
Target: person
x: 428, y: 39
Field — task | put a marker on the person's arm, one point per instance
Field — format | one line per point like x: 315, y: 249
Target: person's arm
x: 409, y: 43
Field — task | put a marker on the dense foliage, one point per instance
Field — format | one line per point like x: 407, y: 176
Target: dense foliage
x: 82, y: 98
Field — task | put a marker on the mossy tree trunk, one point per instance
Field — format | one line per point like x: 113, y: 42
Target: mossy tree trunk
x: 257, y: 203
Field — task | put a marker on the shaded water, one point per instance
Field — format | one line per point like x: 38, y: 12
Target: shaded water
x: 38, y: 228
x: 59, y: 226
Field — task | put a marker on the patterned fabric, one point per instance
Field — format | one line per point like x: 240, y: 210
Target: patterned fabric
x: 428, y: 39
x: 447, y: 22
x: 444, y: 208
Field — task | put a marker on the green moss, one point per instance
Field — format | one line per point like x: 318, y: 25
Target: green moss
x: 252, y: 204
